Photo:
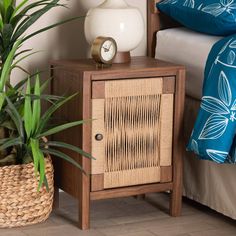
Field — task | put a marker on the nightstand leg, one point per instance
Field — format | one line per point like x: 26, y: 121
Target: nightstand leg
x: 176, y: 194
x: 178, y: 146
x: 176, y: 198
x: 84, y: 204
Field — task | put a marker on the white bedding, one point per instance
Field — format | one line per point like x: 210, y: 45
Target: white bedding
x: 189, y: 48
x: 206, y: 182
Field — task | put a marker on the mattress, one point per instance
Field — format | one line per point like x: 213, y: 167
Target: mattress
x: 206, y: 182
x: 189, y: 48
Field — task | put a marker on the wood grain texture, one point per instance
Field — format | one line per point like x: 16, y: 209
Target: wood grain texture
x: 130, y: 191
x: 156, y: 21
x: 97, y: 182
x: 78, y: 76
x: 178, y: 146
x: 168, y: 85
x: 98, y: 89
x: 166, y: 174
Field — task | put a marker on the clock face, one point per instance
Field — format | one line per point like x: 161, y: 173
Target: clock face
x: 108, y: 50
x: 104, y: 50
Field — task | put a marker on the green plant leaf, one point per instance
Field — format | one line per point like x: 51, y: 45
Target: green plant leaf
x: 20, y: 5
x: 68, y: 146
x: 51, y: 26
x: 33, y: 18
x: 63, y: 156
x: 47, y: 115
x: 7, y: 3
x: 39, y: 162
x: 25, y: 13
x: 2, y: 99
x: 6, y: 70
x: 36, y: 104
x: 28, y: 111
x: 21, y: 83
x: 60, y: 128
x: 45, y: 85
x: 24, y: 57
x: 15, y: 116
x: 1, y: 23
x: 11, y: 142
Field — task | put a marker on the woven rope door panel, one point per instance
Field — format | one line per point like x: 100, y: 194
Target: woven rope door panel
x: 132, y: 132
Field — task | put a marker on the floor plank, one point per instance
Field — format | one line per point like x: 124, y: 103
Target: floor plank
x: 131, y: 217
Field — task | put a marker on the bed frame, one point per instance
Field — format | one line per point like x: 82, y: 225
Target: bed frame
x: 156, y: 21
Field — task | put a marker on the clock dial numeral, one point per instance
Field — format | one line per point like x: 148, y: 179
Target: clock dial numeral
x: 108, y: 50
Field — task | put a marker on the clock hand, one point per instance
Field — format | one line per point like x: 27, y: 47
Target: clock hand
x: 110, y: 46
x: 106, y: 49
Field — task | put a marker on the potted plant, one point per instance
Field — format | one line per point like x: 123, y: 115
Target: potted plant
x: 26, y: 171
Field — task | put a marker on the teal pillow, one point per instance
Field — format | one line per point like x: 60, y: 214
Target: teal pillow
x: 216, y: 17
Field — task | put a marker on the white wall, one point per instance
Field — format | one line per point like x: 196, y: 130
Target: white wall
x: 67, y: 41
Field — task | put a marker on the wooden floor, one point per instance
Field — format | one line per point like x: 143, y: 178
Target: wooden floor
x: 131, y: 217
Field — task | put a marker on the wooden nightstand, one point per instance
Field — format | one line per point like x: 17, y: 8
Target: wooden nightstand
x: 135, y: 137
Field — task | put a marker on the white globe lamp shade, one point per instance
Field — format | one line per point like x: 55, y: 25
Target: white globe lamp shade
x: 116, y: 19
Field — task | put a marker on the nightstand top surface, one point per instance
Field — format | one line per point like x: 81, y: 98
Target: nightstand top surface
x: 137, y: 63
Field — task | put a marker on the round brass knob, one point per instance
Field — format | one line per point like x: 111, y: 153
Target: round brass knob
x: 99, y: 137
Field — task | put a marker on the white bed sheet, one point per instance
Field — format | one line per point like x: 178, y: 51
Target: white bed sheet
x: 206, y: 182
x: 189, y: 48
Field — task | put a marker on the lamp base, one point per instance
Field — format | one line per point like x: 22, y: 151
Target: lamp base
x: 122, y: 57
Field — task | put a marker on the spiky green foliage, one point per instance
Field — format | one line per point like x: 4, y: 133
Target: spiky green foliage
x: 30, y: 128
x: 16, y: 20
x: 23, y: 126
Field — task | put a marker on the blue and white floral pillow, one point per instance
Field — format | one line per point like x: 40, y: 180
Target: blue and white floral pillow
x: 214, y: 134
x: 216, y: 17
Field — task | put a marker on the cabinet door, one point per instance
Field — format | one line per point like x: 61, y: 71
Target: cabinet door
x: 132, y: 132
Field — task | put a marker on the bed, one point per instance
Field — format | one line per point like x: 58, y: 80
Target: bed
x: 206, y: 182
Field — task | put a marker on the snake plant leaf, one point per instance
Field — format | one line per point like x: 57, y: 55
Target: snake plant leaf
x: 36, y: 104
x: 17, y: 19
x: 24, y: 57
x: 32, y: 19
x: 41, y: 169
x: 2, y: 99
x: 63, y: 156
x: 20, y: 5
x: 28, y: 111
x: 9, y: 13
x: 6, y: 70
x: 2, y: 9
x: 22, y: 82
x: 7, y: 33
x: 33, y: 145
x: 11, y: 142
x: 51, y: 26
x: 8, y: 124
x: 47, y: 115
x: 3, y: 140
x: 15, y: 116
x: 7, y: 4
x: 1, y: 23
x: 22, y: 52
x: 60, y: 128
x: 70, y: 147
x: 39, y: 163
x: 45, y: 85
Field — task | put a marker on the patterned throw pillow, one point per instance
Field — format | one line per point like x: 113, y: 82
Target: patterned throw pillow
x: 216, y: 17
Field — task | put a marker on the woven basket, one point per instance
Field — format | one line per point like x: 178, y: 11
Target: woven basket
x: 20, y: 202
